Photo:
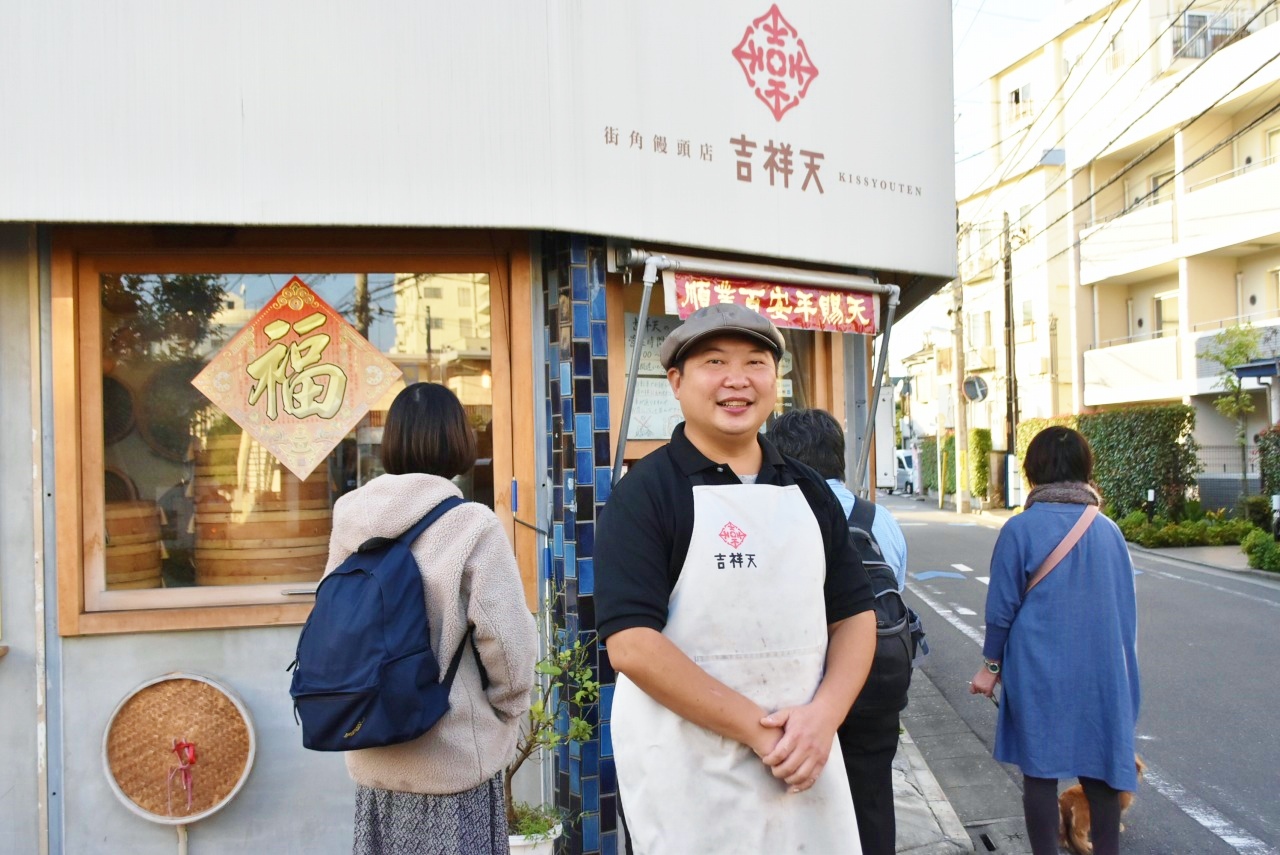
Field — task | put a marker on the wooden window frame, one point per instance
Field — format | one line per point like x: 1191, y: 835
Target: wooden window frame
x: 79, y: 255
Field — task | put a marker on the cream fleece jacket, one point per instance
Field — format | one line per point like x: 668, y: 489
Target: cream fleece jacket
x: 469, y: 575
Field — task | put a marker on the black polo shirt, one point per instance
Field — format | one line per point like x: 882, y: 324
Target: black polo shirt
x: 643, y: 534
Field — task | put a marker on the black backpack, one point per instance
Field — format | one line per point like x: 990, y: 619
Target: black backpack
x: 898, y: 631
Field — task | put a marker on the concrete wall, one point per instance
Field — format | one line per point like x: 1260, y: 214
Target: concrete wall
x: 293, y: 801
x: 20, y: 622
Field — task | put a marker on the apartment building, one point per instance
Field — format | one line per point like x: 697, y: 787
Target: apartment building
x: 1128, y: 214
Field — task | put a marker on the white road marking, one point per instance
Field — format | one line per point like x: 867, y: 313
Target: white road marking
x: 909, y: 525
x: 963, y: 568
x: 964, y: 525
x: 961, y: 610
x: 1234, y: 836
x: 946, y: 614
x: 986, y: 580
x: 1264, y: 601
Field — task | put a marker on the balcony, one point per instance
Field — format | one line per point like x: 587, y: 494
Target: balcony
x: 1138, y: 239
x: 1148, y: 370
x: 1233, y: 208
x: 1198, y: 42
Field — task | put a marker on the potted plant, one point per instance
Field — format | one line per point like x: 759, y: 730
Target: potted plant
x: 564, y: 674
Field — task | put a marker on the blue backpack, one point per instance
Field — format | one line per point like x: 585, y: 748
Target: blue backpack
x: 364, y: 674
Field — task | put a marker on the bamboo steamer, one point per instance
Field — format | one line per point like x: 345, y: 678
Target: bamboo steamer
x: 255, y: 522
x: 257, y: 565
x: 132, y: 554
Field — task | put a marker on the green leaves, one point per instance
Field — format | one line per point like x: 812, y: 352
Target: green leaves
x: 1134, y: 450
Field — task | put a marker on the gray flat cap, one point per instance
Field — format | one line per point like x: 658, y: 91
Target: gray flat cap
x: 720, y: 319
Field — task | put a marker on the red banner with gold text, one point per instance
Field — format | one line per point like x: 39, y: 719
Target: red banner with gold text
x: 793, y: 306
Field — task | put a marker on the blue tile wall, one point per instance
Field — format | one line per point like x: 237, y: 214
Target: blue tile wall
x: 577, y: 348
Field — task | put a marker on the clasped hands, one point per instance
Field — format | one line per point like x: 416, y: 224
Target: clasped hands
x: 795, y: 743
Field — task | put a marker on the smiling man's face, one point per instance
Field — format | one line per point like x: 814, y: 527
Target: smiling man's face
x: 726, y: 390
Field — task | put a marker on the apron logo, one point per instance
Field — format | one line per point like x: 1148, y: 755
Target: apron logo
x: 736, y: 560
x: 732, y: 535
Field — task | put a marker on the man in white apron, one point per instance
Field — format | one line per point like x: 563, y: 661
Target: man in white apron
x: 736, y: 613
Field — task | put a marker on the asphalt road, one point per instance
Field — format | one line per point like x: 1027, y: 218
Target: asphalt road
x: 1209, y: 653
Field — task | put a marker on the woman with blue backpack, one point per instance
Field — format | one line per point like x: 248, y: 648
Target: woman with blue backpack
x: 441, y: 791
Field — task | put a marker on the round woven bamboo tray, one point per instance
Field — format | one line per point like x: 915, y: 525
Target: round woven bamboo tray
x: 138, y: 755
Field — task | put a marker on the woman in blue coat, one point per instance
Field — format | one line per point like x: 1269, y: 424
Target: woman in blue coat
x: 1066, y: 650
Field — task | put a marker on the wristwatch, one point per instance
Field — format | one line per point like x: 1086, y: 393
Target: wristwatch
x: 992, y: 665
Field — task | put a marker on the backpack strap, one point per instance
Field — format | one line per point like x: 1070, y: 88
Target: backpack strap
x: 423, y: 524
x: 447, y: 682
x: 863, y: 515
x: 1060, y: 551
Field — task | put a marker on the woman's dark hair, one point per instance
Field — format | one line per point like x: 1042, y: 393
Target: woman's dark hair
x: 1058, y: 454
x: 427, y: 432
x: 813, y: 437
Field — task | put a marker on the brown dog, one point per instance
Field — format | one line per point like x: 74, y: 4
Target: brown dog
x: 1073, y: 826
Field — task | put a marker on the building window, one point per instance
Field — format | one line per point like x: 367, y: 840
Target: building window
x: 1166, y: 314
x: 166, y: 503
x: 1115, y: 52
x: 1028, y: 308
x: 1273, y: 145
x: 1161, y: 189
x: 1020, y: 103
x: 464, y: 297
x: 466, y: 328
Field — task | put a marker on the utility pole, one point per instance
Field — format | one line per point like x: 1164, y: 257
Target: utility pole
x: 362, y: 304
x: 962, y: 422
x: 430, y: 358
x: 1011, y: 374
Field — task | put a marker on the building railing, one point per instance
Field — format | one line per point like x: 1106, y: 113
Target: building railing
x: 1130, y: 339
x: 1239, y: 170
x: 1236, y: 320
x: 1191, y: 42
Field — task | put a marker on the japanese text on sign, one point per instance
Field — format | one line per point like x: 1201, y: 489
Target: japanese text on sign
x: 791, y: 306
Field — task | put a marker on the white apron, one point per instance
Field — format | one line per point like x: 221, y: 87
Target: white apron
x: 748, y: 608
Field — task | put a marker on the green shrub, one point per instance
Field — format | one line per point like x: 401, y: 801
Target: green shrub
x: 1263, y: 551
x: 1255, y: 509
x: 927, y: 465
x: 1269, y: 460
x: 979, y: 454
x: 1212, y: 529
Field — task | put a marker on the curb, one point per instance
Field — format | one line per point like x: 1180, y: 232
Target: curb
x: 1177, y: 559
x: 955, y: 838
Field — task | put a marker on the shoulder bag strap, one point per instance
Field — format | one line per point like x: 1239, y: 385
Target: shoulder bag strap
x: 1061, y: 550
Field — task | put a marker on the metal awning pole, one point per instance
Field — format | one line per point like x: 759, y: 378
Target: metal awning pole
x: 864, y: 457
x: 652, y: 264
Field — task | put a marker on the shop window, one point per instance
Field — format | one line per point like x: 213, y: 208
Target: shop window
x: 181, y: 506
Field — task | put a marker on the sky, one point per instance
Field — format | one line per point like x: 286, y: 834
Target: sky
x: 983, y: 32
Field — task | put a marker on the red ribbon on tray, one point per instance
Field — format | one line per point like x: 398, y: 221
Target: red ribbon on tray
x: 186, y: 752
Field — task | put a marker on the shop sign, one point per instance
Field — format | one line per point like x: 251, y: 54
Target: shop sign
x: 297, y: 378
x: 792, y: 306
x: 802, y: 129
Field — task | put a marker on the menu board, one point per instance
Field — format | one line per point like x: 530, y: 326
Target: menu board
x: 654, y: 411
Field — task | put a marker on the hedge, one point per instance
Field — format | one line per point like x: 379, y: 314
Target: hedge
x: 1134, y: 450
x: 927, y: 465
x: 979, y: 454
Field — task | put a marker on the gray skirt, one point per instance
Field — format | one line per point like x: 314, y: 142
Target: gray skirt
x: 473, y: 822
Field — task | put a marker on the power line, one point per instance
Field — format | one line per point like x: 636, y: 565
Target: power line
x: 1011, y: 161
x: 1151, y: 150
